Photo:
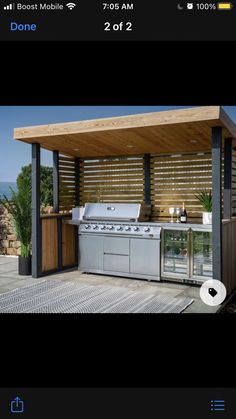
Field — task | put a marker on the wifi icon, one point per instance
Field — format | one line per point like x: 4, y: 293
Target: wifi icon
x: 71, y: 5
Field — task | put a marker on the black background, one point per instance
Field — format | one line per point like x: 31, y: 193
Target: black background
x: 117, y: 350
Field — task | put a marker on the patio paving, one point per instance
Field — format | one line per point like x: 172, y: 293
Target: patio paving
x: 9, y: 280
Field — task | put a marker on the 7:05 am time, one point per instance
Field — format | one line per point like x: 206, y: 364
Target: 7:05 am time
x: 118, y: 6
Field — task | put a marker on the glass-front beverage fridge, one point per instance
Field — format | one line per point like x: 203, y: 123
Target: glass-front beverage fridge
x: 186, y: 254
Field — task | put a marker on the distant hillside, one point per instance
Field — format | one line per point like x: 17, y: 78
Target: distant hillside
x: 4, y: 188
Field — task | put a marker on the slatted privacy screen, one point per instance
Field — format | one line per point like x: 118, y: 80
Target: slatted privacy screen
x: 176, y: 179
x: 234, y: 183
x: 112, y: 179
x: 67, y: 183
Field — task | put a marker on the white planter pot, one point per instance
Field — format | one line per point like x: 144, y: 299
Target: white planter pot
x: 207, y: 218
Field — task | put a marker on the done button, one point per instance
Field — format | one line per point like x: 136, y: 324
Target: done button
x: 23, y: 27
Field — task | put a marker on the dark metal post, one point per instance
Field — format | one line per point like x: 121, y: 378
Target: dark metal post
x: 36, y: 224
x: 216, y: 202
x: 147, y: 179
x: 77, y: 203
x: 228, y: 178
x: 77, y: 181
x: 55, y: 181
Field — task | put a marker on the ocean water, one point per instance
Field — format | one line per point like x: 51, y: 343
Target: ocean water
x: 4, y: 188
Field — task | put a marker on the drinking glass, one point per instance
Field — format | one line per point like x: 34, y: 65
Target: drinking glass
x: 178, y: 212
x: 171, y: 212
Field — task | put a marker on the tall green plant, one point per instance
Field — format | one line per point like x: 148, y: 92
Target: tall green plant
x: 19, y: 206
x: 46, y: 182
x: 205, y: 199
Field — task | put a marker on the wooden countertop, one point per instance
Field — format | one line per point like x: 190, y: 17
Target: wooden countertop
x: 56, y: 215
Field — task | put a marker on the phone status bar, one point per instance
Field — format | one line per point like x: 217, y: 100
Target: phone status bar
x: 124, y: 21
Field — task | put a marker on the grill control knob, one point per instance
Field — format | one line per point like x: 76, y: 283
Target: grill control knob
x: 95, y: 227
x: 111, y: 228
x: 103, y: 228
x: 119, y: 228
x: 127, y: 228
x: 86, y: 226
x: 147, y: 229
x: 136, y: 228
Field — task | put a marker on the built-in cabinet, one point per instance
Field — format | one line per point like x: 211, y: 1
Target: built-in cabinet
x: 186, y: 254
x: 58, y: 243
x: 135, y: 257
x: 182, y: 254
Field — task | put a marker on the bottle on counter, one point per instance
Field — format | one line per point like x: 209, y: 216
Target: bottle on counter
x: 183, y: 214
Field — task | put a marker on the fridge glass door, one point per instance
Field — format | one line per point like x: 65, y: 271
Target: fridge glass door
x: 176, y: 253
x: 202, y: 254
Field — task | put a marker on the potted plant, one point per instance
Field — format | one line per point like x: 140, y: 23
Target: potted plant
x: 205, y: 199
x: 19, y: 206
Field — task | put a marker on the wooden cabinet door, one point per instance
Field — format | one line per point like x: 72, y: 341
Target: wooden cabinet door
x: 49, y: 244
x: 68, y: 244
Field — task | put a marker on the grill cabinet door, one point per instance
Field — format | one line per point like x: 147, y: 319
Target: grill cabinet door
x: 90, y: 252
x: 145, y: 257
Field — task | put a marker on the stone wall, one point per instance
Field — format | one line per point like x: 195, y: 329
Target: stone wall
x: 8, y: 243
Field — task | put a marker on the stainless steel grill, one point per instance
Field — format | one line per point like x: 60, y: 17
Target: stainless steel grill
x: 113, y: 240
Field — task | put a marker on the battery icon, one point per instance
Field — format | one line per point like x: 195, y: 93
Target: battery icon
x: 224, y: 6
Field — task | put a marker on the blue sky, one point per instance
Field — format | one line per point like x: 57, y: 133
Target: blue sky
x: 15, y: 154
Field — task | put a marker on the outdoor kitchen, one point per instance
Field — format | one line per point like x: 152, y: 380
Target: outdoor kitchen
x: 114, y: 240
x: 149, y: 197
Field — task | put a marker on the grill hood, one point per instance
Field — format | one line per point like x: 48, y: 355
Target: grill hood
x: 116, y: 212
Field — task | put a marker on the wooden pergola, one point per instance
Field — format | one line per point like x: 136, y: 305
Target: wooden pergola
x: 141, y: 144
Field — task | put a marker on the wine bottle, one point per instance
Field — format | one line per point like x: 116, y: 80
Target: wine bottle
x: 183, y: 215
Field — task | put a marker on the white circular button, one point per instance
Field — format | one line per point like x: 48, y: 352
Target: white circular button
x: 213, y: 292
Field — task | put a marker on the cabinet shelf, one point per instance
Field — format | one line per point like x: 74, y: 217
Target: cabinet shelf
x: 175, y: 258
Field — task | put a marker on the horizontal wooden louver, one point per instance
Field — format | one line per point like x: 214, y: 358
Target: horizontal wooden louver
x: 112, y: 179
x: 234, y: 183
x: 67, y: 183
x: 176, y: 179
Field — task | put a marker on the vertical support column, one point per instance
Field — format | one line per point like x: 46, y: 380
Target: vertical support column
x: 36, y: 224
x: 216, y: 202
x: 147, y: 179
x: 77, y: 202
x: 77, y: 181
x: 55, y: 181
x: 228, y: 178
x: 56, y: 206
